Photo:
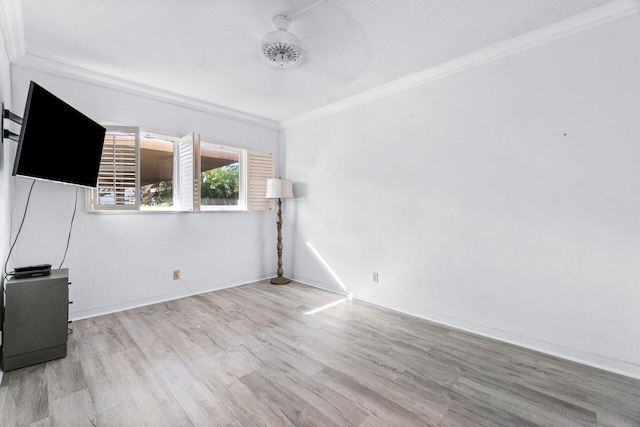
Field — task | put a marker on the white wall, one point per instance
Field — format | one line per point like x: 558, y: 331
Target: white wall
x: 6, y: 154
x: 504, y: 199
x: 117, y: 261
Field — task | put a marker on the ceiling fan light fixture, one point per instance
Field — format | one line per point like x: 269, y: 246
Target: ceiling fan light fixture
x: 280, y: 48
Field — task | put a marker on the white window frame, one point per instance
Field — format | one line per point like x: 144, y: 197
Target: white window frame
x: 175, y: 176
x: 242, y: 172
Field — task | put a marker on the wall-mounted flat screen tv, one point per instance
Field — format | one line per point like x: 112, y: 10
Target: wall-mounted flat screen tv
x: 57, y: 142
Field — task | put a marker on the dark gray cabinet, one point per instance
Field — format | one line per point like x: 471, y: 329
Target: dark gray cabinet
x: 36, y: 314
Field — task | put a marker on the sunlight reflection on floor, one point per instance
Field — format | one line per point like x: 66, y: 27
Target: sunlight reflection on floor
x: 326, y: 306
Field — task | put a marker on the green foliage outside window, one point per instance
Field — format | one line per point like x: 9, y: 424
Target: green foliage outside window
x: 160, y: 194
x: 217, y: 186
x: 220, y: 183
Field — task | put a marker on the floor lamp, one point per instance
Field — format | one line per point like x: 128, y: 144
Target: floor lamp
x: 279, y: 189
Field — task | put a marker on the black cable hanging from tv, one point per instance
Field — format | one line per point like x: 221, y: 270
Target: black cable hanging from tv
x: 15, y: 240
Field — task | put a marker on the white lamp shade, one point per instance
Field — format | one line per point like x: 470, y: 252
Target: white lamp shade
x: 279, y: 189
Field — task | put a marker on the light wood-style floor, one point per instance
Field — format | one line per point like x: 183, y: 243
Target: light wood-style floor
x: 249, y: 356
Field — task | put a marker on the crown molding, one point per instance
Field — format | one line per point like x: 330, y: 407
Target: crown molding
x: 13, y: 32
x: 80, y: 74
x: 610, y: 12
x: 12, y: 28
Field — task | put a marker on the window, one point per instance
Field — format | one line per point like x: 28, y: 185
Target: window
x: 222, y: 177
x: 144, y: 171
x: 118, y: 174
x: 157, y: 171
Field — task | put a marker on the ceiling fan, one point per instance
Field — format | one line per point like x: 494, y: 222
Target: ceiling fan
x: 280, y: 48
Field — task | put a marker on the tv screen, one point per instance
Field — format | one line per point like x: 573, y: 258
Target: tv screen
x: 57, y: 142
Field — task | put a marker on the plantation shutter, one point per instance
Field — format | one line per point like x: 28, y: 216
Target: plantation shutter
x: 187, y: 179
x: 260, y: 169
x: 197, y: 170
x: 118, y: 182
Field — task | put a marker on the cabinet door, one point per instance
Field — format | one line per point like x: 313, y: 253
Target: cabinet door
x: 35, y: 315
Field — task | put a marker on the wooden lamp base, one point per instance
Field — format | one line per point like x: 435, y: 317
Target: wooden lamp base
x: 280, y: 281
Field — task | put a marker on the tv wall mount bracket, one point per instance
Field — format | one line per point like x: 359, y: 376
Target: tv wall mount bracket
x: 6, y: 133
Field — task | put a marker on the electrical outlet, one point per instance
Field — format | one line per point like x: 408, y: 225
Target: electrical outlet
x: 375, y: 277
x: 176, y: 274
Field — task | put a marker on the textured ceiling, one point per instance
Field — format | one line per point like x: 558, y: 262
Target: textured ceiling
x: 209, y: 50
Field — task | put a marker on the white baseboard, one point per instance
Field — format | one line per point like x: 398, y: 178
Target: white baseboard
x: 109, y: 309
x: 319, y: 285
x: 606, y: 363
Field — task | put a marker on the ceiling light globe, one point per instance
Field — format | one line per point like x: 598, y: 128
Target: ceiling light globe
x: 282, y: 49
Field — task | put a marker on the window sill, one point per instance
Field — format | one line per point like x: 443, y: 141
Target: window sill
x: 164, y: 211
